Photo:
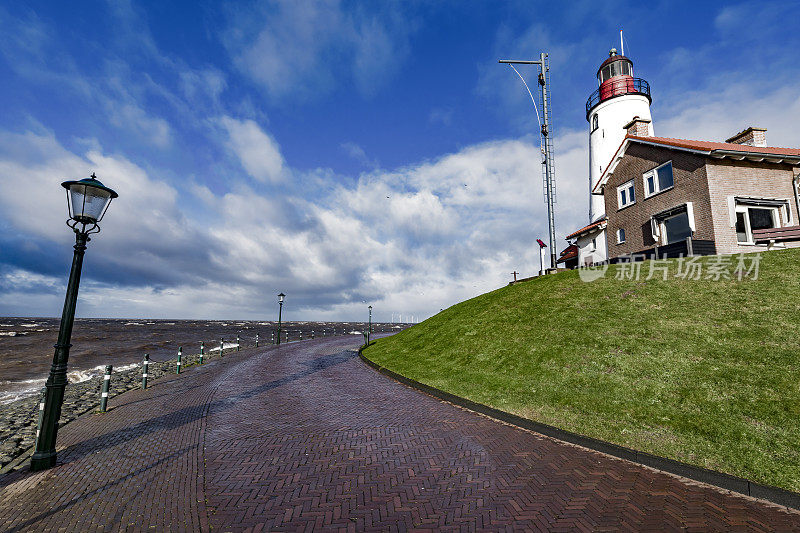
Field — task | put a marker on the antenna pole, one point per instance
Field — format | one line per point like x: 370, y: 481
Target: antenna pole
x: 547, y: 163
x: 546, y: 145
x: 621, y: 43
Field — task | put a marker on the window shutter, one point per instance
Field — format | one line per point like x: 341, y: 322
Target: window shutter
x: 732, y: 210
x: 690, y: 215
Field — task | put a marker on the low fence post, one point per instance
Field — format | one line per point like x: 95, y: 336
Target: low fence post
x: 221, y: 346
x: 272, y: 338
x: 312, y: 333
x: 237, y: 343
x: 287, y: 335
x: 202, y: 349
x: 256, y: 340
x: 301, y: 334
x: 145, y: 374
x: 178, y: 364
x: 104, y: 393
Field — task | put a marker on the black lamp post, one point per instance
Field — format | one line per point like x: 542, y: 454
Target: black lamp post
x: 369, y: 329
x: 88, y: 200
x: 281, y: 296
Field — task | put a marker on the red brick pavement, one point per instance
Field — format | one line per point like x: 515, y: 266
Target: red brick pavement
x: 307, y: 437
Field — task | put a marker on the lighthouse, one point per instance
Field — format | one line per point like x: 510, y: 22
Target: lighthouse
x: 620, y: 98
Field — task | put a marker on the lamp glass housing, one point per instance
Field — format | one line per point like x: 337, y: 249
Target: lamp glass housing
x: 281, y: 296
x: 88, y: 199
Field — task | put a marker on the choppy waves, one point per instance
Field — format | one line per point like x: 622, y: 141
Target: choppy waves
x: 11, y: 391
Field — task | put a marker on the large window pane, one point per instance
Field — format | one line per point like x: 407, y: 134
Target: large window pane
x: 677, y: 227
x: 665, y: 177
x: 631, y: 194
x: 761, y: 218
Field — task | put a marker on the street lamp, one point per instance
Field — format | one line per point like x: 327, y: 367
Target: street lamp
x: 87, y: 201
x: 281, y: 296
x: 369, y: 329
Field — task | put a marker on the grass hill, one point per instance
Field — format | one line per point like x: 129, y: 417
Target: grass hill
x: 701, y: 370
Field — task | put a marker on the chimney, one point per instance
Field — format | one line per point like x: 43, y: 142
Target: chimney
x: 639, y: 127
x: 752, y: 136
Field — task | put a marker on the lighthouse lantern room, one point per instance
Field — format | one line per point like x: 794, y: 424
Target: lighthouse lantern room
x: 620, y: 98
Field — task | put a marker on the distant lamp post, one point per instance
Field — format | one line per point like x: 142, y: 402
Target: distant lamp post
x: 281, y: 296
x: 369, y: 329
x: 87, y: 200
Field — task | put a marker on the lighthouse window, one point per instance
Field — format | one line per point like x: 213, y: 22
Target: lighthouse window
x: 626, y: 195
x: 659, y: 179
x: 595, y: 123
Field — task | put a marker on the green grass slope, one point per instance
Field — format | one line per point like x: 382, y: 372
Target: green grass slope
x: 703, y: 371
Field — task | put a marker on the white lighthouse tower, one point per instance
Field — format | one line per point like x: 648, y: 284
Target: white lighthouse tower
x: 619, y: 99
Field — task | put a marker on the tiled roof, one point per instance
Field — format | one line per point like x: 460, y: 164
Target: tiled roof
x: 570, y: 252
x: 709, y: 146
x: 584, y: 229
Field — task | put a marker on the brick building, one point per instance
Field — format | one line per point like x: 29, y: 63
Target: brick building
x: 677, y: 196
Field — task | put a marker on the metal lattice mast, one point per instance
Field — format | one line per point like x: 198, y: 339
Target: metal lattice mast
x: 548, y: 161
x: 545, y: 142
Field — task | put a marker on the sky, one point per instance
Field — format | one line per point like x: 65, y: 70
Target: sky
x: 346, y: 153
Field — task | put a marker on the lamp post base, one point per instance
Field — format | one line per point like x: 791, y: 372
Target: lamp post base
x: 43, y: 461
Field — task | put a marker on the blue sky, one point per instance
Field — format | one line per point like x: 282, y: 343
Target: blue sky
x: 345, y: 153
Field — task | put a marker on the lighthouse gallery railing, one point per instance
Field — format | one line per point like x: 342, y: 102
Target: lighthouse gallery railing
x: 619, y: 87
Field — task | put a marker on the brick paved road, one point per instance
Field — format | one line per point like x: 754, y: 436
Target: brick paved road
x: 306, y: 436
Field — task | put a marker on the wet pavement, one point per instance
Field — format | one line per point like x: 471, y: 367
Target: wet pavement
x: 305, y: 436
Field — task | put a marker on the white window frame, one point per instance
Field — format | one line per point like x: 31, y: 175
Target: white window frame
x: 621, y: 237
x: 659, y: 230
x: 626, y: 188
x: 777, y: 220
x: 653, y: 172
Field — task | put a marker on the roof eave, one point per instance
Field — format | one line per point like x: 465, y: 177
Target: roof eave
x: 589, y: 231
x: 755, y: 156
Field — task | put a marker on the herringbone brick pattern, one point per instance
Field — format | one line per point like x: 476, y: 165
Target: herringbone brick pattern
x: 307, y: 437
x: 337, y: 445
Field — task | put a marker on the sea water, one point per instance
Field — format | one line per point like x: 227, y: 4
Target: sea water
x: 26, y: 344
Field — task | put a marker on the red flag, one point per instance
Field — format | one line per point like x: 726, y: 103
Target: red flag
x: 541, y: 244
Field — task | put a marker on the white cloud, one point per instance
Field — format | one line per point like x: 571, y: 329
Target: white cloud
x: 131, y: 117
x: 357, y: 153
x: 717, y: 115
x: 301, y: 47
x: 257, y: 151
x: 450, y: 229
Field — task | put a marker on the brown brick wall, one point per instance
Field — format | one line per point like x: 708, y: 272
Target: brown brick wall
x: 744, y: 178
x: 690, y: 185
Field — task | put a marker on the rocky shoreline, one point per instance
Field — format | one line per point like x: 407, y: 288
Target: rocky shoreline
x: 18, y: 419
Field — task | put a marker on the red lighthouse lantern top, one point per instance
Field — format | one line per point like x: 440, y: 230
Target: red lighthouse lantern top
x: 615, y: 77
x: 614, y: 66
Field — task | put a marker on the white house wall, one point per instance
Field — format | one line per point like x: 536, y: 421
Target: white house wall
x: 585, y: 252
